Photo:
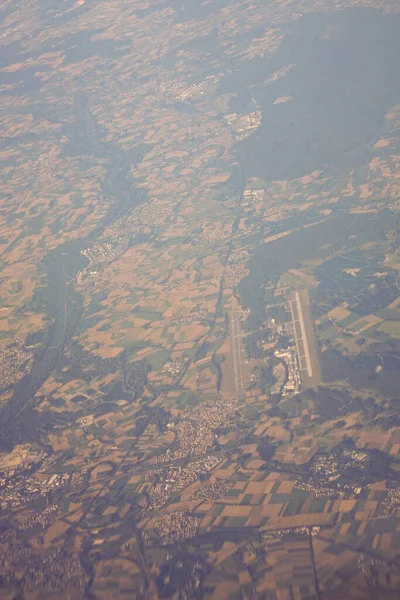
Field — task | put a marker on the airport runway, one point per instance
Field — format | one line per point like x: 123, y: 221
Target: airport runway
x: 237, y: 352
x: 304, y: 335
x: 303, y: 332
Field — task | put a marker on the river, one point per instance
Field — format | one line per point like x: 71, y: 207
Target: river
x: 63, y: 267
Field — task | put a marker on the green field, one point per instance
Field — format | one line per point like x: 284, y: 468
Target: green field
x: 390, y: 327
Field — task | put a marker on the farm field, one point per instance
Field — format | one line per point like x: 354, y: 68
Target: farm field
x: 200, y: 300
